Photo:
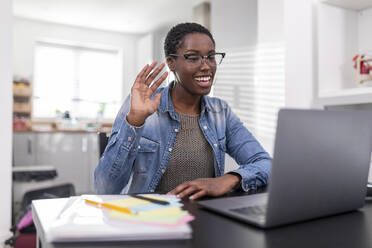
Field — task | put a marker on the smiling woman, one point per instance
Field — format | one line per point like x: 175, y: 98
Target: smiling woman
x: 174, y: 139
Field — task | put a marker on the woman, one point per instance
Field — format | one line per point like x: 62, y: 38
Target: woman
x: 173, y: 139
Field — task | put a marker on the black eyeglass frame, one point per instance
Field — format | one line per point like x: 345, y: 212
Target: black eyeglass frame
x: 186, y: 56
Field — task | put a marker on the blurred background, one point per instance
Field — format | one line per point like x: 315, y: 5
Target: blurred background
x: 74, y: 61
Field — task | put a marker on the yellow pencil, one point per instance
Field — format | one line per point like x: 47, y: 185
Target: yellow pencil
x: 110, y: 206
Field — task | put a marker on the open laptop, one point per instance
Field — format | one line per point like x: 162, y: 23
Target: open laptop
x: 320, y: 167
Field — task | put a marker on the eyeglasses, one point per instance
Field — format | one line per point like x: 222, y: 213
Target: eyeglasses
x: 197, y: 60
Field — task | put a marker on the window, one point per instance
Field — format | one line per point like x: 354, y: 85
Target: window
x: 251, y: 80
x: 86, y: 82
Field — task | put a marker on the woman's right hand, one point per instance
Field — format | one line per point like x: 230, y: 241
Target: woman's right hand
x: 141, y: 104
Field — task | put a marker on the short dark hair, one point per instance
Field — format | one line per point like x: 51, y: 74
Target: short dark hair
x: 175, y: 36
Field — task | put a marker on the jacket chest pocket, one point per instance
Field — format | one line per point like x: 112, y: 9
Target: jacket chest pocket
x: 146, y: 156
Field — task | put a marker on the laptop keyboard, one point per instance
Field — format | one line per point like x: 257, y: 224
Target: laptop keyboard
x: 258, y: 210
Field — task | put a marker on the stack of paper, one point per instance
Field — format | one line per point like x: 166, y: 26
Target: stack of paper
x: 151, y: 213
x: 79, y: 221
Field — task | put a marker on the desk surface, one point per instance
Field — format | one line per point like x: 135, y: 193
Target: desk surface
x: 352, y: 229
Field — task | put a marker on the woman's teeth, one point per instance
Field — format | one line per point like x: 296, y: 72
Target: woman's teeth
x: 203, y: 80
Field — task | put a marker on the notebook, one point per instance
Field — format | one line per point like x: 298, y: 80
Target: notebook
x: 320, y: 167
x: 72, y: 220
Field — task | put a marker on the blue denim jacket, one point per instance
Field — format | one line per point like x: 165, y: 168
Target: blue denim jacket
x: 142, y: 153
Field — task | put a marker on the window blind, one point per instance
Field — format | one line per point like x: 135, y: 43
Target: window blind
x: 251, y: 80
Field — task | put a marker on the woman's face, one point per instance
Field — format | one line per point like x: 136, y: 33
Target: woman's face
x: 196, y: 78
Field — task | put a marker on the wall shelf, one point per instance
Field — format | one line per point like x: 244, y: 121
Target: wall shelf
x: 22, y: 104
x: 342, y: 31
x: 362, y: 95
x: 350, y: 4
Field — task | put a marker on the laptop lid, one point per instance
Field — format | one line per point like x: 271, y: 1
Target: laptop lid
x: 320, y: 164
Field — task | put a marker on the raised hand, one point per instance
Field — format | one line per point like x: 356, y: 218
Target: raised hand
x: 141, y: 104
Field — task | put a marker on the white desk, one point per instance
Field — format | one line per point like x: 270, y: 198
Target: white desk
x: 88, y: 224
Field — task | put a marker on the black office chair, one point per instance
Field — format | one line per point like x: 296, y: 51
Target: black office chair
x: 23, y: 236
x: 102, y: 140
x: 56, y: 191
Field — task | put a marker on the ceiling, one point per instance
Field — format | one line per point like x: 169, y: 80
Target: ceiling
x: 125, y: 16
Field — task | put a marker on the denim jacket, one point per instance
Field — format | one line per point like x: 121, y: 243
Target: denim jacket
x: 141, y: 154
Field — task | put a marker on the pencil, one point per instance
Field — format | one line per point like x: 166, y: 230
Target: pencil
x: 161, y: 202
x: 110, y: 206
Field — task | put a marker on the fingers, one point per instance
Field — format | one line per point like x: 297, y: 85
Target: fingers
x: 186, y: 189
x: 149, y: 69
x: 199, y: 188
x: 153, y: 75
x: 158, y: 82
x: 140, y: 75
x: 178, y: 189
x: 144, y: 78
x: 197, y: 195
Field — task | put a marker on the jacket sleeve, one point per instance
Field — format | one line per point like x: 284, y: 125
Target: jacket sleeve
x: 254, y: 162
x: 115, y: 166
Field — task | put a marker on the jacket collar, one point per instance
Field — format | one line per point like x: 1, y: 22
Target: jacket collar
x: 166, y: 104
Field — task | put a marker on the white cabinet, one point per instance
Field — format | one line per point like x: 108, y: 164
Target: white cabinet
x: 342, y: 30
x: 24, y: 149
x: 74, y: 155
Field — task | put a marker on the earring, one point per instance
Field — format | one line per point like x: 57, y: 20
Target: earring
x: 176, y: 78
x: 168, y: 78
x: 214, y: 78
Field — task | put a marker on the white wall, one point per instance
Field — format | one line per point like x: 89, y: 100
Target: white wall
x: 364, y: 31
x: 6, y: 118
x: 159, y: 38
x: 337, y: 45
x: 26, y: 32
x: 270, y: 26
x: 269, y: 70
x: 247, y: 23
x: 234, y: 24
x: 145, y: 54
x: 150, y: 48
x: 298, y: 31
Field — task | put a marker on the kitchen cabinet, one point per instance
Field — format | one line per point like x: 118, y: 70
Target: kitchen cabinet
x: 24, y: 149
x: 73, y: 154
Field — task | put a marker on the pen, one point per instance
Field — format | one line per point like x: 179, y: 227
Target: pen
x: 111, y: 206
x: 161, y: 202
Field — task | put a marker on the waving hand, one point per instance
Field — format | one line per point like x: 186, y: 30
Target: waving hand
x: 141, y: 104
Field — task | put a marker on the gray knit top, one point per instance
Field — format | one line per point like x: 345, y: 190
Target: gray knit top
x: 191, y: 158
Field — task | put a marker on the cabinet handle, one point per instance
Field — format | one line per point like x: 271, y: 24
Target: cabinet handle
x: 84, y: 144
x: 29, y: 145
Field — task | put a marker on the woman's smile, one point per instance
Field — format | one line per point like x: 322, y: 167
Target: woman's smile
x: 204, y: 80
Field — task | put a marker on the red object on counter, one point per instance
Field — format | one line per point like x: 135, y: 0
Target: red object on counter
x: 19, y: 125
x: 365, y: 68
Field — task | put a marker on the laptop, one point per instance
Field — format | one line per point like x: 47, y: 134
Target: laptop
x: 320, y: 168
